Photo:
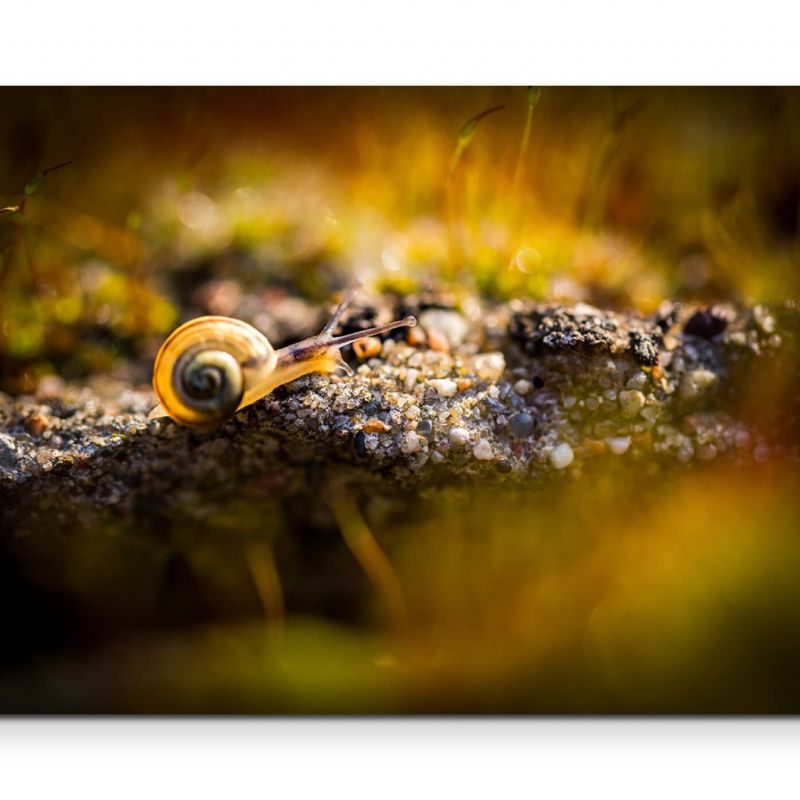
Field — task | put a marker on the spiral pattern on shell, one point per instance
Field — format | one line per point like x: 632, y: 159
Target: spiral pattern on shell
x: 209, y: 367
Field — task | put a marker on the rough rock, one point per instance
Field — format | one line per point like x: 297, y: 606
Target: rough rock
x: 734, y: 395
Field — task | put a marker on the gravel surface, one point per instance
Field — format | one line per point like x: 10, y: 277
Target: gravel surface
x: 513, y: 392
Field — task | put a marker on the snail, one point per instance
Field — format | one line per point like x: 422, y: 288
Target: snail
x: 211, y: 367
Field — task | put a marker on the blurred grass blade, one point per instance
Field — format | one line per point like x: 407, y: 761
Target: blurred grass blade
x: 466, y: 133
x: 534, y: 93
x: 264, y: 572
x: 34, y: 183
x: 366, y: 550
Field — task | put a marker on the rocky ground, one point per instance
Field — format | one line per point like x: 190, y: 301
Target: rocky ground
x: 516, y: 392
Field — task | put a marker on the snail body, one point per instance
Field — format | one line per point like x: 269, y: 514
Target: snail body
x: 211, y: 367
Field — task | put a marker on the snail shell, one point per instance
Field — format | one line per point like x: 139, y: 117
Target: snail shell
x: 211, y: 367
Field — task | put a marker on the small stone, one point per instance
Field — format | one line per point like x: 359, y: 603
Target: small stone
x: 763, y: 319
x: 651, y: 414
x: 416, y: 337
x: 411, y: 443
x: 50, y: 387
x: 618, y: 444
x: 706, y: 323
x: 631, y: 402
x: 521, y: 425
x: 36, y: 424
x: 446, y: 326
x: 458, y: 436
x: 367, y: 348
x: 495, y: 406
x: 594, y: 446
x: 8, y: 453
x: 424, y: 427
x: 703, y: 378
x: 637, y: 381
x: 444, y: 387
x: 604, y: 429
x: 483, y: 450
x: 561, y: 456
x: 523, y: 387
x: 437, y: 342
x: 374, y: 425
x: 411, y: 380
x: 696, y: 382
x: 568, y: 401
x: 489, y: 366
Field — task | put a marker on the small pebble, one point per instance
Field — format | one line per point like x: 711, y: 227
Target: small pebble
x: 360, y: 444
x: 521, y: 425
x: 490, y: 366
x: 444, y: 387
x: 522, y: 387
x: 458, y: 436
x: 411, y: 380
x: 631, y: 402
x: 411, y: 443
x: 483, y: 450
x: 637, y: 381
x: 561, y: 456
x: 424, y: 427
x: 367, y: 348
x: 448, y: 327
x: 437, y: 342
x: 50, y: 387
x: 36, y: 424
x: 416, y: 336
x: 618, y: 444
x: 374, y: 425
x: 763, y: 319
x: 696, y: 382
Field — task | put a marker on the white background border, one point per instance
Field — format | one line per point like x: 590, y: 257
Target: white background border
x: 513, y: 42
x: 411, y: 758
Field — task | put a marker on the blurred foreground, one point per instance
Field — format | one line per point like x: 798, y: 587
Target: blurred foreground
x: 606, y: 595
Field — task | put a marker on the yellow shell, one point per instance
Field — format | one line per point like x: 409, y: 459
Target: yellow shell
x: 209, y: 368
